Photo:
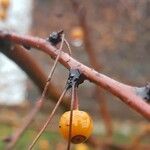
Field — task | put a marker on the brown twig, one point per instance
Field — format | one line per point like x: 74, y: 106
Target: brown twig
x: 68, y: 46
x: 23, y: 58
x: 37, y: 106
x: 19, y: 132
x: 123, y: 91
x: 136, y: 142
x: 81, y: 14
x: 71, y: 116
x: 76, y: 100
x: 41, y: 100
x: 49, y: 119
x: 33, y: 69
x: 51, y: 72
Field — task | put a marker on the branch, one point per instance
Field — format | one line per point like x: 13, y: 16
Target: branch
x: 39, y: 103
x: 126, y: 93
x: 81, y: 14
x: 136, y: 143
x: 33, y: 69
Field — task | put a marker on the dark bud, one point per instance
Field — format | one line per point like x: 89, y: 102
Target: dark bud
x: 55, y: 37
x: 75, y: 77
x: 144, y: 92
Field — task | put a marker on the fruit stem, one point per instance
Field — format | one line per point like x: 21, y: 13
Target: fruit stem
x: 71, y: 115
x: 76, y: 100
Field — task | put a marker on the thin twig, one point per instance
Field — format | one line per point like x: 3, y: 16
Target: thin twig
x: 48, y: 121
x: 38, y: 104
x: 68, y: 46
x: 126, y: 93
x: 27, y: 120
x: 52, y: 70
x: 33, y: 69
x: 71, y: 116
x: 81, y: 14
x: 76, y: 100
x: 136, y: 144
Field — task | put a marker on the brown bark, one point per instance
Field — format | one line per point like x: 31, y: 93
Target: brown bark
x: 81, y: 14
x: 25, y: 61
x: 125, y: 92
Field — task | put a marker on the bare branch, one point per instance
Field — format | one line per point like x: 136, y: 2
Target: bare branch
x: 81, y: 14
x: 136, y: 143
x: 33, y: 69
x: 49, y: 119
x: 125, y: 92
x: 15, y: 137
x: 71, y: 117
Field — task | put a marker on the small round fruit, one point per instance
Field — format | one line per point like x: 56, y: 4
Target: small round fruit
x: 77, y: 33
x: 5, y: 3
x: 82, y: 126
x: 2, y: 14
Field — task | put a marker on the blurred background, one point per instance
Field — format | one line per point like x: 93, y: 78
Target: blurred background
x: 116, y: 32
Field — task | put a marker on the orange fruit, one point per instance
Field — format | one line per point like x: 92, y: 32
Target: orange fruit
x: 5, y: 3
x: 82, y: 126
x: 77, y: 33
x: 2, y: 14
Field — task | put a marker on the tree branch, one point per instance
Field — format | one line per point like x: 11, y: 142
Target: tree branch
x: 81, y: 14
x: 33, y: 69
x: 125, y: 92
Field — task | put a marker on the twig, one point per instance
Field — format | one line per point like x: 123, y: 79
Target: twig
x: 27, y: 120
x: 136, y: 142
x: 68, y: 46
x: 49, y: 119
x: 81, y: 14
x: 52, y: 70
x: 33, y: 69
x: 71, y: 117
x: 76, y: 100
x: 123, y: 91
x: 37, y: 106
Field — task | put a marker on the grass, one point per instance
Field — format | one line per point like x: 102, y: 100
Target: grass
x: 49, y: 140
